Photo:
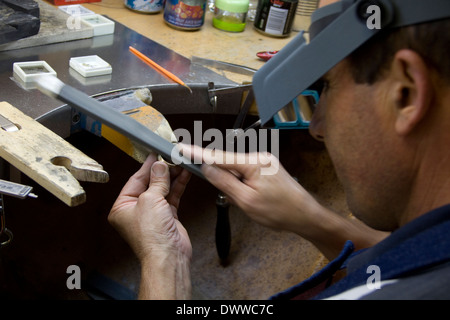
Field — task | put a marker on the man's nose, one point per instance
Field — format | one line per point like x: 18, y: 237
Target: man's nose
x: 316, y: 124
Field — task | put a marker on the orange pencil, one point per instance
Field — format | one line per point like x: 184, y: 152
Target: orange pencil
x: 156, y: 66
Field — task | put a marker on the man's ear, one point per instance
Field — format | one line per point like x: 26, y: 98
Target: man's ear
x: 412, y: 90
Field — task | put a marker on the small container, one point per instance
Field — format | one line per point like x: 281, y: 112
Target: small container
x: 185, y: 14
x: 305, y: 8
x: 230, y: 15
x: 275, y: 18
x: 145, y: 6
x: 28, y: 71
x: 99, y: 24
x: 90, y: 66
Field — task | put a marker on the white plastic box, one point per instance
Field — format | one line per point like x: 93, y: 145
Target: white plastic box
x: 90, y: 66
x: 99, y: 24
x: 28, y: 71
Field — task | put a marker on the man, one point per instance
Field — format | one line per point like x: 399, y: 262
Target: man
x: 383, y: 114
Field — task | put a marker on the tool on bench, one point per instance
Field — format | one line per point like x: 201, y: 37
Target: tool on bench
x: 116, y: 120
x: 223, y: 234
x: 295, y: 115
x: 135, y: 103
x: 3, y: 230
x: 15, y: 190
x: 221, y: 65
x: 223, y: 228
x: 157, y: 67
x: 45, y: 157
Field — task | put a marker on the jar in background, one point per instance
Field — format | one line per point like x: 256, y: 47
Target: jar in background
x: 230, y: 15
x: 185, y: 14
x: 145, y: 6
x: 253, y: 5
x: 275, y: 18
x: 303, y: 14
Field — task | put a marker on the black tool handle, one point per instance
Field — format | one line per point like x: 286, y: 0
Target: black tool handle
x: 223, y: 229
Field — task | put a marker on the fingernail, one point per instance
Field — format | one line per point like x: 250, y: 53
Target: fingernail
x: 159, y: 169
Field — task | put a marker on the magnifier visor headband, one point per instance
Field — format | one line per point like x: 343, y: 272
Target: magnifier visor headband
x: 336, y: 31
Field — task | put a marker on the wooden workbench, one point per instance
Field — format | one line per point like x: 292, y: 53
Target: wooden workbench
x: 208, y: 42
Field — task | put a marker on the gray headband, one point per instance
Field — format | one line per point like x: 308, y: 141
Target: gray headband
x: 336, y: 31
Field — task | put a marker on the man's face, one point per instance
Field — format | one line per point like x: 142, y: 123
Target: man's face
x: 355, y: 122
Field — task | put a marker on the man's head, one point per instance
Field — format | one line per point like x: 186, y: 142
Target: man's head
x: 370, y: 61
x: 383, y: 112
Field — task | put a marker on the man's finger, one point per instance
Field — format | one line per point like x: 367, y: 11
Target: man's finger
x: 160, y: 179
x: 227, y: 160
x: 139, y: 181
x: 228, y: 183
x: 177, y: 188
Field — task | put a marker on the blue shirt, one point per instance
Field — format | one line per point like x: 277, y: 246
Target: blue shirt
x: 417, y: 255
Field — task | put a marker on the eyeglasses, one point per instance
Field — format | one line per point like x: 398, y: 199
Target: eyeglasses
x: 298, y: 113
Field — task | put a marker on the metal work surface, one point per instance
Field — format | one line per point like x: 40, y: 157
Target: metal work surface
x: 128, y: 71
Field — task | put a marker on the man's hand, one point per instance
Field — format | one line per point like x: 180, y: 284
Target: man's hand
x: 264, y: 190
x: 259, y: 185
x: 145, y: 214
